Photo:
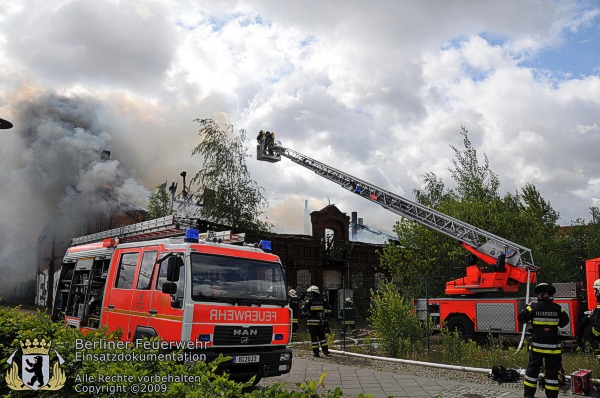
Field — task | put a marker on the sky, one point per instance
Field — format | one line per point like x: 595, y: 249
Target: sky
x: 378, y: 89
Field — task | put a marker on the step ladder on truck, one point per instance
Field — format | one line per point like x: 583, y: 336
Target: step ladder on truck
x: 494, y: 265
x: 211, y: 293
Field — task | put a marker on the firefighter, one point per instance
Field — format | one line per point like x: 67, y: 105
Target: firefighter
x: 261, y: 136
x: 349, y: 316
x: 269, y: 141
x: 294, y: 302
x: 545, y: 346
x: 595, y: 318
x: 316, y: 309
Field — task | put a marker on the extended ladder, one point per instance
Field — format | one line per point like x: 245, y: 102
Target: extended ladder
x: 482, y: 241
x: 164, y: 227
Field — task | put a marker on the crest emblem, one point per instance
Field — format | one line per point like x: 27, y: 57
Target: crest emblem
x: 35, y: 368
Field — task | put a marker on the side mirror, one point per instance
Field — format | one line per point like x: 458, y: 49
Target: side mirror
x: 169, y: 288
x: 173, y: 267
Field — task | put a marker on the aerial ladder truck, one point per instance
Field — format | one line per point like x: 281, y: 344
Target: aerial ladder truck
x: 507, y: 265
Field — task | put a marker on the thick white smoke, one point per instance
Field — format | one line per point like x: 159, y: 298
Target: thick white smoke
x: 51, y: 165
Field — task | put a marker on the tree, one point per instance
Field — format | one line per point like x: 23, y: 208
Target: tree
x: 580, y: 241
x: 226, y: 191
x: 523, y: 217
x: 159, y: 203
x: 397, y: 327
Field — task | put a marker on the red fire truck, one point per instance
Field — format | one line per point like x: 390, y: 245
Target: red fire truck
x: 494, y: 264
x: 209, y: 292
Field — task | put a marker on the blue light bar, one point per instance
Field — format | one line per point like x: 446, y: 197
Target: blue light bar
x: 266, y: 245
x: 191, y: 235
x: 358, y: 189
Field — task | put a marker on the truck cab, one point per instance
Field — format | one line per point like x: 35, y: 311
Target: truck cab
x: 210, y: 298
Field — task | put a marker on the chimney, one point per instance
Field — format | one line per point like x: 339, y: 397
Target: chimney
x: 354, y: 227
x: 307, y: 224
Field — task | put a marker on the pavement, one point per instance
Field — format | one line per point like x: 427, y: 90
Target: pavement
x: 383, y: 384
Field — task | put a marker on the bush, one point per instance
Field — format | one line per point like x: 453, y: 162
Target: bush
x: 397, y: 328
x: 17, y: 326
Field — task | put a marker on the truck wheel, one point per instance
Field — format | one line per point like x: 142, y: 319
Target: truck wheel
x: 461, y: 325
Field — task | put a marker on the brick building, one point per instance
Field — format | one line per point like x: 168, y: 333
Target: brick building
x: 328, y: 258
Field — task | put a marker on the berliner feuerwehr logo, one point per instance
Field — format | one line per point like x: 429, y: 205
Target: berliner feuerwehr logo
x: 35, y: 368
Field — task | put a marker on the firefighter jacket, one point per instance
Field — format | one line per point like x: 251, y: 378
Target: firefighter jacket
x: 595, y: 338
x: 316, y: 309
x: 546, y: 317
x: 295, y: 306
x: 348, y: 315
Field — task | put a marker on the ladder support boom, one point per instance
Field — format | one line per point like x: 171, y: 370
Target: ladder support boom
x: 483, y: 241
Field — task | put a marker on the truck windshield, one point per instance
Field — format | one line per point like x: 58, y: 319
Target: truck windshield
x: 237, y: 280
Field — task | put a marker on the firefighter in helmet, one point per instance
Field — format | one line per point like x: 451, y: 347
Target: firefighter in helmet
x: 595, y: 318
x: 545, y: 346
x: 316, y: 309
x: 349, y: 316
x: 294, y: 302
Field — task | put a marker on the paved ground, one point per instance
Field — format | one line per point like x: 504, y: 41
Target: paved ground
x: 382, y: 384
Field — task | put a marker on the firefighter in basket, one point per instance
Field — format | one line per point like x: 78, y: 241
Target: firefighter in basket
x: 545, y: 345
x: 316, y: 309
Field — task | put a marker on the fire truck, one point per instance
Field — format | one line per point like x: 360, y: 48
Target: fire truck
x: 494, y: 264
x: 210, y: 293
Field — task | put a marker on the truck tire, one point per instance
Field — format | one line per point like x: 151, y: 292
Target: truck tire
x: 461, y: 325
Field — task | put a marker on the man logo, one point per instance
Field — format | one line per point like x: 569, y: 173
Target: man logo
x: 244, y: 340
x: 35, y: 368
x: 245, y: 332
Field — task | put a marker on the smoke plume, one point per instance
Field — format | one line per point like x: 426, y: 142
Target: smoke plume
x: 51, y: 166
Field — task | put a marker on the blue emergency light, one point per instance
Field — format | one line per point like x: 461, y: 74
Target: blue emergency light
x: 191, y: 235
x: 266, y: 245
x: 357, y: 189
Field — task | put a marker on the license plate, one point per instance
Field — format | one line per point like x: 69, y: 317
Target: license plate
x: 246, y: 358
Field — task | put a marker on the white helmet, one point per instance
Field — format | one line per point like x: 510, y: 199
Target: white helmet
x: 597, y: 284
x: 313, y: 289
x: 292, y: 293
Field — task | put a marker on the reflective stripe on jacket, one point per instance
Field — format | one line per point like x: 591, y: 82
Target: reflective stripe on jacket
x: 546, y: 317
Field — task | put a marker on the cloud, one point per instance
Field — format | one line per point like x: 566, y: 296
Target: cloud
x: 378, y: 90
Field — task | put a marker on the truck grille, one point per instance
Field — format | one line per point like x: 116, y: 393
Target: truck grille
x: 240, y: 335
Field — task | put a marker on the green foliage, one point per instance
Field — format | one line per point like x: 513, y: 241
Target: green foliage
x: 579, y: 241
x: 228, y: 195
x: 159, y: 204
x: 457, y: 351
x: 474, y: 181
x: 397, y: 328
x: 524, y: 217
x: 17, y: 325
